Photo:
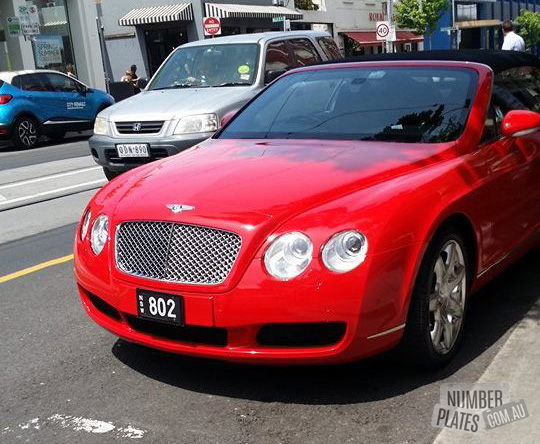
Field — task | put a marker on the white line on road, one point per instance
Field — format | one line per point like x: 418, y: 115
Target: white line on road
x: 80, y: 424
x: 52, y: 176
x: 46, y: 193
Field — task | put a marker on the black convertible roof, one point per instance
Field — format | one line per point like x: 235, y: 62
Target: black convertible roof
x: 497, y: 60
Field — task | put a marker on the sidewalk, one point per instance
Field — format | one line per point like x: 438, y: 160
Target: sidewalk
x: 518, y: 364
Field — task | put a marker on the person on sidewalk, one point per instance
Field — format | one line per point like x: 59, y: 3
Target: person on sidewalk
x: 512, y: 41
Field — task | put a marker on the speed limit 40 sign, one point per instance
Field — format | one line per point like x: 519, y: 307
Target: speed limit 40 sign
x: 382, y: 30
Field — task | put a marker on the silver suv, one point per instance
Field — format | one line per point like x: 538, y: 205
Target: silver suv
x: 197, y: 85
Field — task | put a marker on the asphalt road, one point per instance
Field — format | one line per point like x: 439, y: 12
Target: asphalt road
x: 66, y: 380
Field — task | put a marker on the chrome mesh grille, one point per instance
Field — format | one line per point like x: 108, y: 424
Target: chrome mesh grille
x: 176, y: 252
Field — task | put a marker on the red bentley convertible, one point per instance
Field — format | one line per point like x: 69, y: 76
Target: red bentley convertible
x: 347, y: 208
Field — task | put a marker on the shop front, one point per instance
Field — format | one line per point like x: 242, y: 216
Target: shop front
x: 365, y: 42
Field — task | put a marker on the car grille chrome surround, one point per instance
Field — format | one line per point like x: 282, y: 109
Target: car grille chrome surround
x: 134, y: 127
x: 176, y: 252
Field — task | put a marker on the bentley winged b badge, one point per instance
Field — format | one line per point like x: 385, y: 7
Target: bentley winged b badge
x: 178, y: 208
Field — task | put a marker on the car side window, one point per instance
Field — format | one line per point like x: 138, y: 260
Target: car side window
x: 304, y: 52
x: 330, y: 48
x: 277, y: 57
x: 62, y: 83
x: 16, y: 81
x: 34, y: 82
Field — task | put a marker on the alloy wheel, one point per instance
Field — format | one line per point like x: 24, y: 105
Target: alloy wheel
x: 447, y: 298
x: 27, y: 132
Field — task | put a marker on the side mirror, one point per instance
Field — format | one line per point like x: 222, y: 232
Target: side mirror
x: 520, y: 122
x: 273, y: 74
x: 142, y: 82
x: 82, y: 89
x: 227, y: 117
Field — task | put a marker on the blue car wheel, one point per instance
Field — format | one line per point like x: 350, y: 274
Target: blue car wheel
x: 25, y: 132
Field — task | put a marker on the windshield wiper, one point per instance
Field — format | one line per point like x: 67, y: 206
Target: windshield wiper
x: 234, y: 84
x: 176, y: 86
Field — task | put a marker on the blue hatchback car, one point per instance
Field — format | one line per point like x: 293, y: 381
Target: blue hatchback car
x: 46, y: 102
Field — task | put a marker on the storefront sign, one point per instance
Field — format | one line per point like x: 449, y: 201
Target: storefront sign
x: 212, y: 26
x: 30, y: 28
x: 48, y: 50
x: 14, y: 27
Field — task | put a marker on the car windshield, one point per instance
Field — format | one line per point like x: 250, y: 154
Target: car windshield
x: 399, y: 104
x: 208, y: 66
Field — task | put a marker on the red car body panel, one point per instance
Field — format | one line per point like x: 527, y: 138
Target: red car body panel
x: 397, y: 194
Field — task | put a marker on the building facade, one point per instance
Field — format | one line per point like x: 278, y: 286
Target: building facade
x: 477, y: 24
x: 101, y: 39
x: 51, y: 34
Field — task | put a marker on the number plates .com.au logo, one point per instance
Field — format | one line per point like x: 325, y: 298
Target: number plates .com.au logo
x: 476, y: 407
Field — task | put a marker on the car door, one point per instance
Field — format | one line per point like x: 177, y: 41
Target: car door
x: 507, y: 198
x: 38, y: 95
x: 73, y: 103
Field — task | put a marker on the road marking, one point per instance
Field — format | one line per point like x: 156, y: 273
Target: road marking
x: 80, y: 424
x: 49, y: 177
x: 24, y: 272
x: 46, y: 193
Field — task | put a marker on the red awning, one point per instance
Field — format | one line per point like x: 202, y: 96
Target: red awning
x: 369, y: 37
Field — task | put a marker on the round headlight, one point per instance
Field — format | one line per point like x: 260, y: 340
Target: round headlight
x: 345, y: 251
x: 100, y: 233
x: 289, y: 255
x: 85, y: 224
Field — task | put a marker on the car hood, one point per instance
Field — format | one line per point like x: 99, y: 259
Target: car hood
x: 175, y: 103
x: 237, y: 184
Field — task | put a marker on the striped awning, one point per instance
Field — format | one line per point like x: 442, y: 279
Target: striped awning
x: 57, y: 23
x: 157, y: 14
x: 254, y: 11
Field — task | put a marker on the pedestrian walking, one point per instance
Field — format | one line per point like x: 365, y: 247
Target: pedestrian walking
x: 512, y: 41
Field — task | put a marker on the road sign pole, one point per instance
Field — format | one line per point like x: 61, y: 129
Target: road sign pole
x: 389, y: 13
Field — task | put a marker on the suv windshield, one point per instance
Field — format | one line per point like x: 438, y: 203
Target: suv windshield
x: 401, y: 104
x: 209, y: 65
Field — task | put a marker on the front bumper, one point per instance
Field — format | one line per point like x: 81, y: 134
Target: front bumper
x: 347, y: 311
x: 103, y: 149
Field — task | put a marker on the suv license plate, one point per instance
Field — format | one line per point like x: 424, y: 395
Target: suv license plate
x: 162, y: 307
x: 133, y: 150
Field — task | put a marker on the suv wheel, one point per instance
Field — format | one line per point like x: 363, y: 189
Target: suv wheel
x: 25, y: 133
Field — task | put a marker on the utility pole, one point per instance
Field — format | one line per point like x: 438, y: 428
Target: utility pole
x: 102, y: 47
x: 389, y: 14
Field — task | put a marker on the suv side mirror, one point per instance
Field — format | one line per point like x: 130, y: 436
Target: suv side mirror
x: 227, y: 117
x: 273, y: 74
x: 520, y: 122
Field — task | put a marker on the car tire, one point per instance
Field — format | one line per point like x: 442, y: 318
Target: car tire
x: 438, y: 303
x: 58, y: 135
x: 25, y: 133
x: 111, y: 174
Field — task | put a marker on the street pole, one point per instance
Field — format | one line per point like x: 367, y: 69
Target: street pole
x: 102, y: 47
x: 389, y: 13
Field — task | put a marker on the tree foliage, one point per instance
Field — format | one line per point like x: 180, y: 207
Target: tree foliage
x: 420, y: 15
x: 529, y: 23
x: 306, y: 5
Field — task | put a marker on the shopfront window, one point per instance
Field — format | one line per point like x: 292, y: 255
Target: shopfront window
x: 51, y: 35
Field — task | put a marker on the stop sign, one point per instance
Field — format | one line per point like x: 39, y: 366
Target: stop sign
x: 212, y: 26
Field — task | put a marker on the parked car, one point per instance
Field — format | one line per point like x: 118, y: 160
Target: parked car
x: 198, y: 84
x: 46, y: 102
x: 348, y: 208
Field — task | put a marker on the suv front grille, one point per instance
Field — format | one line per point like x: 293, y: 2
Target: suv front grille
x: 139, y: 127
x: 176, y: 252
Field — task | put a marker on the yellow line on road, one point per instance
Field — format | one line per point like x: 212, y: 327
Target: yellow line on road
x: 24, y: 272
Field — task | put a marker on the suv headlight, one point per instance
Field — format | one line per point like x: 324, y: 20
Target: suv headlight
x: 100, y: 233
x: 101, y: 126
x: 202, y: 123
x: 288, y: 255
x: 345, y: 251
